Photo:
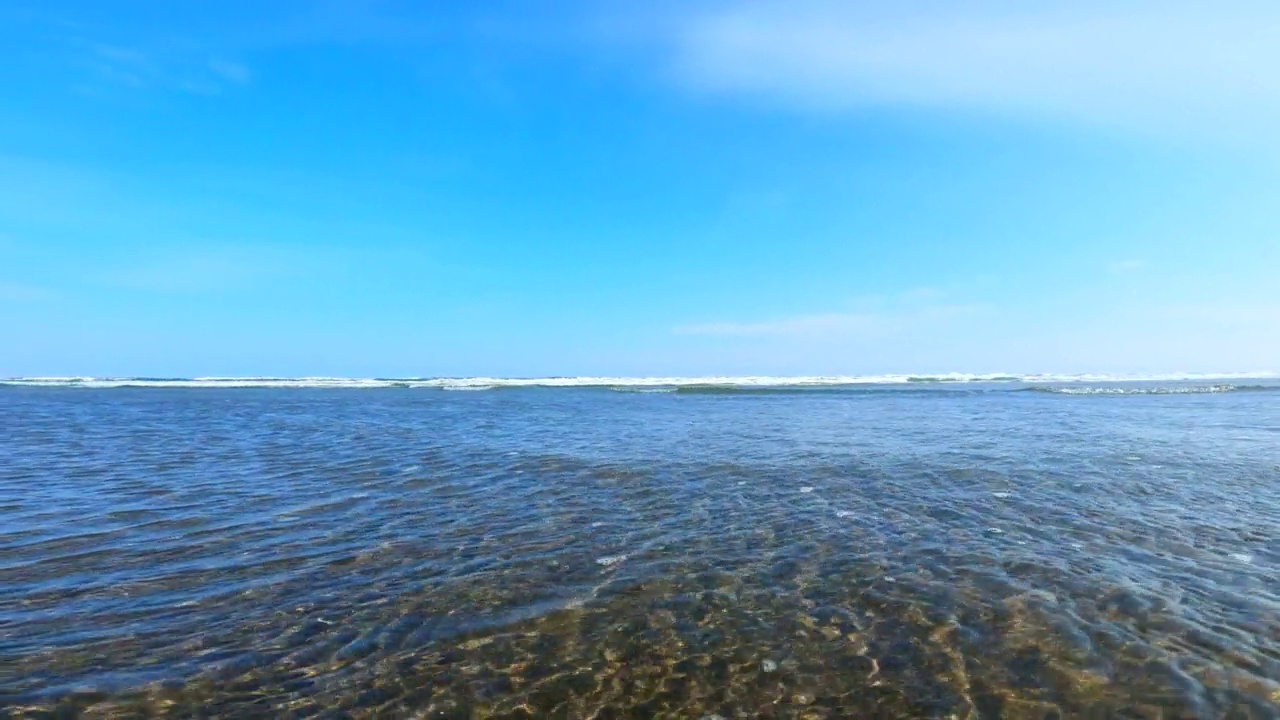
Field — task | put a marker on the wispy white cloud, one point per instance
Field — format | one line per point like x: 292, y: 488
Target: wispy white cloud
x: 185, y: 68
x: 24, y: 293
x: 206, y: 268
x: 1262, y: 316
x: 1125, y: 267
x: 1154, y: 67
x: 876, y: 317
x: 1231, y: 334
x: 822, y: 323
x: 230, y: 71
x: 1121, y: 336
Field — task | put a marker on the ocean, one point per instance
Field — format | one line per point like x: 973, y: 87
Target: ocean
x: 947, y: 546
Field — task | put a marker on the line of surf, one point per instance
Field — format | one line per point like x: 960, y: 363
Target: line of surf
x: 754, y: 381
x: 1148, y: 390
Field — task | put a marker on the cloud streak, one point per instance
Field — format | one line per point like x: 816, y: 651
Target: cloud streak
x: 1161, y: 68
x: 835, y: 325
x: 185, y: 69
x: 24, y: 293
x: 1125, y: 267
x: 818, y: 324
x: 205, y: 269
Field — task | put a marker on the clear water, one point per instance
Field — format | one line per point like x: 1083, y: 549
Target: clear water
x: 925, y: 550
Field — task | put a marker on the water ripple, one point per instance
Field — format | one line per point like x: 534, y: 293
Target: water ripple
x: 578, y: 553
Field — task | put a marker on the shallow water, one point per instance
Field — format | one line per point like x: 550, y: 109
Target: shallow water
x: 924, y: 550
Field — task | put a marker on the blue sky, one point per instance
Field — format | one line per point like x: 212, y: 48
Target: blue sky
x: 419, y: 189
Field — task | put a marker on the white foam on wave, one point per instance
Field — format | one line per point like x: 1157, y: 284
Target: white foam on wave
x: 641, y: 384
x: 1165, y: 390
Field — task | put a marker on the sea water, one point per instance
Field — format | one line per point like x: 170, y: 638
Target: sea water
x: 967, y: 546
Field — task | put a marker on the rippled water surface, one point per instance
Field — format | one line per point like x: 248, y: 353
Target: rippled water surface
x: 975, y: 550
